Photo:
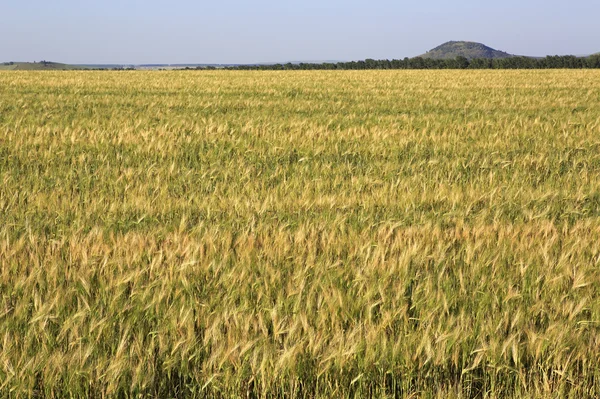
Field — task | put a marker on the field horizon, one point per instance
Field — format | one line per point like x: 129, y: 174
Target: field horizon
x: 230, y: 234
x: 449, y: 50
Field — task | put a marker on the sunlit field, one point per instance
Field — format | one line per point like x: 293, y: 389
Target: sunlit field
x: 423, y: 234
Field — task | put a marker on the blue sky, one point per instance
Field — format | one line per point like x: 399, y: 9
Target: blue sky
x: 235, y: 31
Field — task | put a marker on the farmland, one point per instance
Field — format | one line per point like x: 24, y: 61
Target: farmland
x: 300, y: 234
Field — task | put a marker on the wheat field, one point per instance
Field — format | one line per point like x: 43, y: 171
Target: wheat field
x: 422, y: 234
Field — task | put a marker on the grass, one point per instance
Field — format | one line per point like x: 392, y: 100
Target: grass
x: 300, y: 234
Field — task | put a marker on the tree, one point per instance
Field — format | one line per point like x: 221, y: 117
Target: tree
x: 462, y: 62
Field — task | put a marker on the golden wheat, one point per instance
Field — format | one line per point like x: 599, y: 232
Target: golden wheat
x: 300, y: 234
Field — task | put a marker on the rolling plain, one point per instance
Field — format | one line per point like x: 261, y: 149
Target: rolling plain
x: 204, y: 234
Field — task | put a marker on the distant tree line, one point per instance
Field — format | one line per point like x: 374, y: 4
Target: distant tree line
x: 550, y: 62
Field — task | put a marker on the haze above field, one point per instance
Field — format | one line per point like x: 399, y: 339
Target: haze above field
x: 232, y: 31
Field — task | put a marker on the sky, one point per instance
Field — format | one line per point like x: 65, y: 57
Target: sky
x: 252, y: 31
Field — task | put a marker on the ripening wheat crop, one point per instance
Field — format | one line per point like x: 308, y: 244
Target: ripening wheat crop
x: 300, y: 234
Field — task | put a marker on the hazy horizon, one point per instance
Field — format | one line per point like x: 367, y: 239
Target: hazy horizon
x: 236, y: 32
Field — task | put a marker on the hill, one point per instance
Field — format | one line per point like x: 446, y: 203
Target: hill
x: 470, y: 50
x: 37, y: 66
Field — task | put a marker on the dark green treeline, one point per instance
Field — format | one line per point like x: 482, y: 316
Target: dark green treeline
x: 550, y: 62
